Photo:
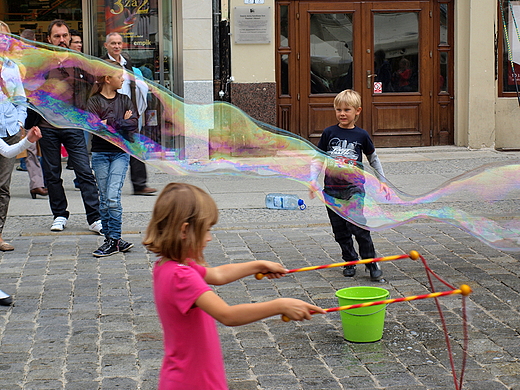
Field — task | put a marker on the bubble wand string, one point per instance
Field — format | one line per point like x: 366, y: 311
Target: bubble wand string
x: 412, y: 255
x: 465, y: 290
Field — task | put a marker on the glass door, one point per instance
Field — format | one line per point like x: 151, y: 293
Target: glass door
x: 329, y: 61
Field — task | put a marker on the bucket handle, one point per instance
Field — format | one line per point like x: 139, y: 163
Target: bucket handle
x: 364, y: 315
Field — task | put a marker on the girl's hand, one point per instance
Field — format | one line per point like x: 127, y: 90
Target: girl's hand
x: 271, y: 269
x: 34, y: 134
x: 298, y: 310
x: 128, y: 114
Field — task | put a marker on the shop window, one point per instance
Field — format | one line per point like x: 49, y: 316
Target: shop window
x: 509, y: 48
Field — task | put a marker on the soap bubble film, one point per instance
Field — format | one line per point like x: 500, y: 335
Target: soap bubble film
x: 177, y: 137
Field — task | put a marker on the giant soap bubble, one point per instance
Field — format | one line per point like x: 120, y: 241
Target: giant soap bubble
x: 214, y: 139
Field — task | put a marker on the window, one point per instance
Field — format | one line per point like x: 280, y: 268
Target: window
x: 509, y: 59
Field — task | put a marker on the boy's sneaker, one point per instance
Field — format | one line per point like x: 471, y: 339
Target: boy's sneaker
x: 108, y: 248
x: 124, y: 246
x: 349, y: 271
x: 375, y: 271
x: 96, y: 227
x: 59, y: 224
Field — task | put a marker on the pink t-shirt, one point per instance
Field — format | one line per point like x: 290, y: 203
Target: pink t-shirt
x: 192, y: 354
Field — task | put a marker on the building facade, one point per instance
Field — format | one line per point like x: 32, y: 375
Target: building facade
x: 430, y: 72
x: 460, y: 88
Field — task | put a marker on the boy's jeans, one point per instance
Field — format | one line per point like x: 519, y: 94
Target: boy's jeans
x: 343, y: 231
x: 110, y: 169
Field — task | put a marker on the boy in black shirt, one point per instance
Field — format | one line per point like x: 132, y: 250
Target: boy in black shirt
x: 347, y: 143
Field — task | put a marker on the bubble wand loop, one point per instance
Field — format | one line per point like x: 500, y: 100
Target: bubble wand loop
x: 465, y: 290
x: 414, y: 255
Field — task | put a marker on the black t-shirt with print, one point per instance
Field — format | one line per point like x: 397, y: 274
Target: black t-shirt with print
x: 347, y: 147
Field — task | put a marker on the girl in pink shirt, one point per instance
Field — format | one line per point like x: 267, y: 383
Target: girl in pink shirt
x: 178, y: 233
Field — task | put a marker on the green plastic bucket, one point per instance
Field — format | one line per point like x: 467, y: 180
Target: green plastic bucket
x: 364, y: 324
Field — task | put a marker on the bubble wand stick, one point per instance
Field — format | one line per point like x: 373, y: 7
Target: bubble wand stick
x: 465, y: 290
x: 414, y: 255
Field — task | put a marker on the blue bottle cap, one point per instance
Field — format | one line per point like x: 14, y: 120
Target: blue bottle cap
x: 302, y: 204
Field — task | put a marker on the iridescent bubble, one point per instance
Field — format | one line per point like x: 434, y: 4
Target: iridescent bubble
x: 218, y: 138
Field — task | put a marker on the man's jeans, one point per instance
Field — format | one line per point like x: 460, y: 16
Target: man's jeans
x: 74, y: 142
x: 110, y: 169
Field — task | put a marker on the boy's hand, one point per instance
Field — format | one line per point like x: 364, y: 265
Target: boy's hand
x: 313, y: 188
x: 128, y: 114
x: 298, y: 310
x: 271, y: 269
x: 384, y: 188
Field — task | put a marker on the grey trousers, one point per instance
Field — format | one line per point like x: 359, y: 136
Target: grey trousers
x: 6, y: 170
x: 34, y: 168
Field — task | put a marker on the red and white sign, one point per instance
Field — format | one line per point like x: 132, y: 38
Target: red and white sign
x: 378, y: 87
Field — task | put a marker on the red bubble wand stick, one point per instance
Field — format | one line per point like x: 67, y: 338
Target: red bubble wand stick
x: 464, y: 290
x: 414, y: 255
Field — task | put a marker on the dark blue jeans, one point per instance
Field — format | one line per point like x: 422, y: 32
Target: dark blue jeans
x: 343, y: 231
x: 74, y: 142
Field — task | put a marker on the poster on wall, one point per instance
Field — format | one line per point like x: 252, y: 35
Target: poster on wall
x: 135, y: 20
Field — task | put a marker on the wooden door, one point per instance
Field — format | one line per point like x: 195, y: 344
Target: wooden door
x: 384, y: 50
x: 397, y: 69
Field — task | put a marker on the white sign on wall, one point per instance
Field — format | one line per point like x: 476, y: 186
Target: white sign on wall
x: 252, y: 25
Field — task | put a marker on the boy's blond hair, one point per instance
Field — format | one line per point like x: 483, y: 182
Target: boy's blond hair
x: 348, y: 97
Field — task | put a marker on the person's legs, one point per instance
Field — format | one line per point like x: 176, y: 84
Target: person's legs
x: 50, y: 145
x: 110, y: 169
x: 116, y: 179
x: 34, y: 168
x: 74, y: 142
x: 138, y: 174
x: 343, y: 237
x: 364, y: 240
x: 101, y: 166
x: 367, y: 250
x: 6, y: 170
x: 139, y: 178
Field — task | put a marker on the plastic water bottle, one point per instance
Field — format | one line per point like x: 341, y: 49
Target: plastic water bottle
x: 284, y: 202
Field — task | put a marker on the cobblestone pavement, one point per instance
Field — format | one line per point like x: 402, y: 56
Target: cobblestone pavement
x: 85, y: 323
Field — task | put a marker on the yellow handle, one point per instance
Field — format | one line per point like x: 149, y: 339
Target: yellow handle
x: 259, y: 276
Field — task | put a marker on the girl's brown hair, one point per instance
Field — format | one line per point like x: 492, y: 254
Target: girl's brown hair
x: 100, y: 80
x: 181, y: 203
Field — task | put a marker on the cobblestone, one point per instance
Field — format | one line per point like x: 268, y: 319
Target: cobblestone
x: 81, y: 322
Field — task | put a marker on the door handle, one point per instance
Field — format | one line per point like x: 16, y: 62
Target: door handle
x: 369, y: 76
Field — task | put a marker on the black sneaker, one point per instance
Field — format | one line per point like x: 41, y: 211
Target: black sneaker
x: 375, y: 271
x: 108, y: 248
x: 124, y: 246
x: 349, y: 271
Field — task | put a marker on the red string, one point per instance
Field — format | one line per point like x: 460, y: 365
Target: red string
x: 458, y: 382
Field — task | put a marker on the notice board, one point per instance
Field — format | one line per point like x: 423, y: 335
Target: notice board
x: 252, y: 25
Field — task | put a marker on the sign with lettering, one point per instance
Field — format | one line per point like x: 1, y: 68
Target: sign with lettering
x: 132, y: 19
x: 252, y: 25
